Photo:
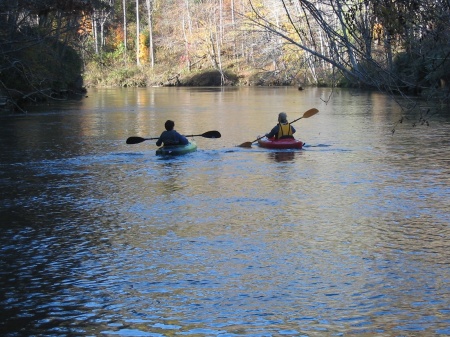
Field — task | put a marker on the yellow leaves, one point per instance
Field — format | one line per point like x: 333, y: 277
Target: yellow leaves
x: 143, y: 48
x: 378, y: 31
x: 118, y: 37
x: 85, y: 26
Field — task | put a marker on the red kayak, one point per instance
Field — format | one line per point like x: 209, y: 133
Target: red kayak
x: 285, y: 143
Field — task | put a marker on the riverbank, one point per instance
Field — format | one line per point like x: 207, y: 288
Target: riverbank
x: 96, y: 75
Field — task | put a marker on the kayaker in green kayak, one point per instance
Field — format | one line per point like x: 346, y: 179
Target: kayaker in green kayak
x: 171, y: 136
x: 283, y: 129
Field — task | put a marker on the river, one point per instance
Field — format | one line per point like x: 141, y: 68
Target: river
x: 347, y: 237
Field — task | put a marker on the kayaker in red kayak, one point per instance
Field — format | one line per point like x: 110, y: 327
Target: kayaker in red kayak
x: 283, y: 129
x: 170, y: 136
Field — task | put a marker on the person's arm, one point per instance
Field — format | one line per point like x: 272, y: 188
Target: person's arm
x: 293, y: 129
x: 182, y: 139
x: 272, y: 132
x: 160, y: 141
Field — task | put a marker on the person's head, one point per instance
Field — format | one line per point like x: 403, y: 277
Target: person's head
x: 169, y: 125
x: 282, y: 117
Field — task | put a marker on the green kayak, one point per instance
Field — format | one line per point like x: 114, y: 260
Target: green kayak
x: 175, y: 150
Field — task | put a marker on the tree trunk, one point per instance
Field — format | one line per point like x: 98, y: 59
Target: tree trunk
x: 124, y: 5
x: 150, y: 31
x: 95, y: 32
x: 138, y: 33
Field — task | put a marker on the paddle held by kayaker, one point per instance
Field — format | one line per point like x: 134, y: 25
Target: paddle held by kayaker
x: 283, y: 129
x: 171, y: 136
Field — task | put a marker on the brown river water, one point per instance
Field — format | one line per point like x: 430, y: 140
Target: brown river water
x: 346, y: 237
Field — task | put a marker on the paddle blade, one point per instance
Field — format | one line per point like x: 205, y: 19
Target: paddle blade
x: 135, y: 140
x: 246, y: 144
x: 212, y: 134
x: 310, y: 112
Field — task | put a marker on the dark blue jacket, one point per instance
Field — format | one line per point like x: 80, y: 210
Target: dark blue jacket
x: 171, y: 138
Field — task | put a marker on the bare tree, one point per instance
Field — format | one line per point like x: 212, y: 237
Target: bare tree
x: 340, y: 34
x: 138, y: 34
x: 125, y: 32
x: 149, y: 4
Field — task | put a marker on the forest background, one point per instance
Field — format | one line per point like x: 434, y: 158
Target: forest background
x: 55, y: 49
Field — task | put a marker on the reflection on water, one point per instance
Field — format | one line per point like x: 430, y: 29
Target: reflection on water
x: 280, y: 156
x: 348, y: 236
